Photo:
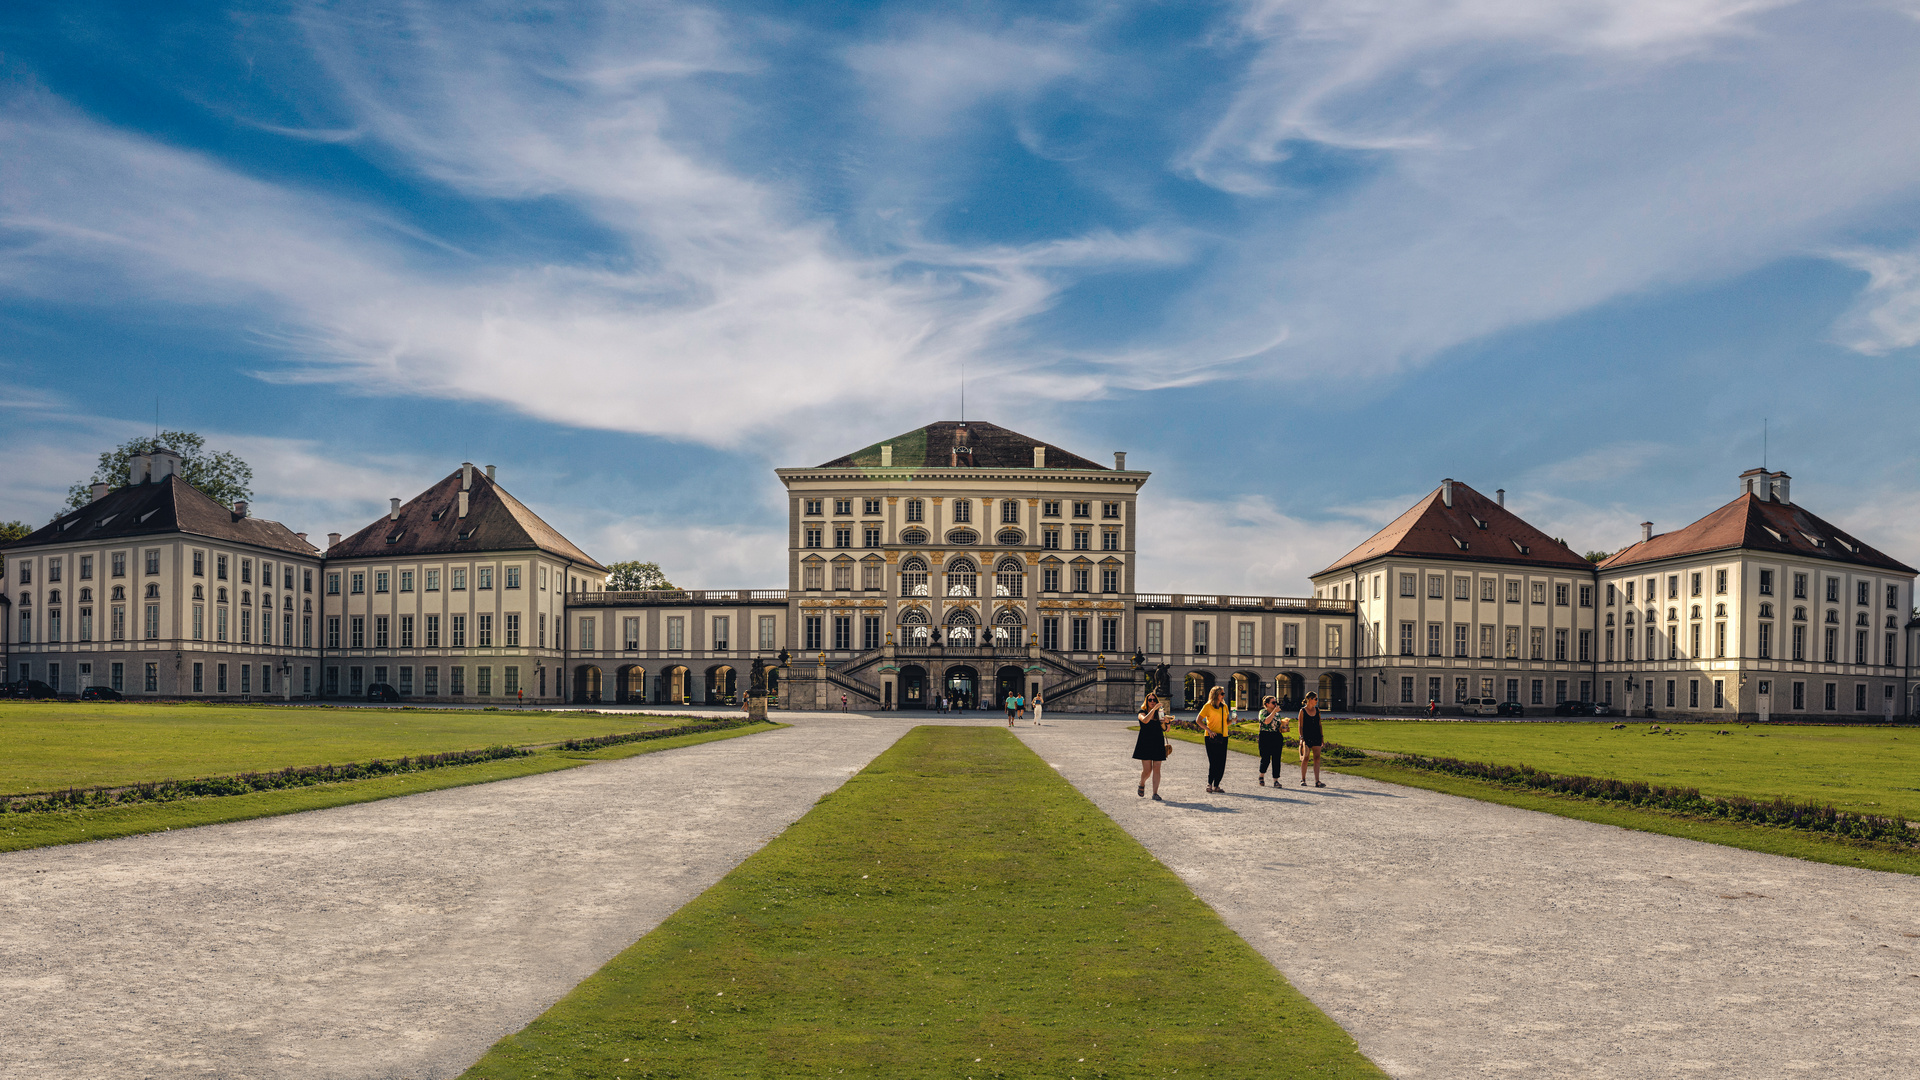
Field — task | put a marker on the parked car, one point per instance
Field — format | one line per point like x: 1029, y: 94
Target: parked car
x: 1601, y: 709
x: 30, y: 688
x: 1573, y: 708
x: 1509, y: 708
x: 382, y: 692
x: 1480, y: 706
x: 101, y: 693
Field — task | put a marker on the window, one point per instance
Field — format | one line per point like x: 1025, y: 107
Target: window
x: 1586, y: 596
x: 1860, y: 647
x: 456, y: 681
x: 1082, y: 539
x: 333, y: 584
x: 1586, y: 646
x: 1861, y: 589
x: 358, y: 625
x: 1110, y: 540
x: 1050, y: 579
x: 1486, y: 589
x: 1406, y: 639
x: 1539, y: 592
x: 1799, y: 642
x: 1109, y: 580
x: 677, y: 632
x: 1156, y: 637
x: 1079, y: 628
x: 513, y: 579
x: 1537, y: 643
x: 1050, y: 508
x: 1083, y: 509
x: 457, y: 578
x: 1513, y: 592
x: 1406, y: 689
x: 1513, y: 691
x: 433, y: 631
x: 843, y: 576
x: 380, y: 631
x: 843, y: 536
x: 483, y: 578
x: 916, y: 510
x: 1201, y: 632
x: 1720, y: 639
x: 1513, y: 643
x: 359, y: 583
x: 962, y: 511
x: 1611, y: 594
x: 870, y: 536
x: 1892, y: 655
x: 842, y: 632
x: 1462, y: 588
x: 722, y: 633
x: 811, y: 632
x: 1766, y: 583
x: 813, y: 507
x: 1050, y: 633
x: 1082, y: 579
x: 1764, y: 641
x: 1245, y: 639
x: 813, y: 537
x: 483, y: 631
x: 588, y: 626
x: 1694, y: 649
x: 768, y: 637
x: 1433, y: 639
x: 842, y: 507
x: 1406, y: 584
x: 1109, y: 635
x: 1560, y: 644
x: 1832, y: 652
x: 872, y: 575
x: 1436, y: 587
x: 870, y: 637
x: 1009, y: 580
x: 542, y: 640
x: 1460, y: 639
x: 1050, y: 539
x: 1560, y: 595
x: 813, y: 576
x: 1833, y: 590
x: 1486, y: 641
x: 1832, y: 702
x: 457, y: 632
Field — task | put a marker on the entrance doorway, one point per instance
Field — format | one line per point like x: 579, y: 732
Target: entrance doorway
x: 913, y: 687
x: 1333, y: 691
x: 963, y: 687
x: 586, y: 684
x: 1007, y: 684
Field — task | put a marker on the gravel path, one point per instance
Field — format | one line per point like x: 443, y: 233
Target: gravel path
x: 1456, y: 938
x: 390, y: 939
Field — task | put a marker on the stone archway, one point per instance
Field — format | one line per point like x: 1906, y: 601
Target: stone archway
x: 586, y: 684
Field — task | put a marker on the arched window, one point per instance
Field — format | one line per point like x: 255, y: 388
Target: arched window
x: 1009, y: 538
x: 1799, y: 614
x: 153, y: 591
x: 1860, y: 619
x: 962, y: 578
x: 1833, y: 617
x: 961, y: 537
x: 913, y: 626
x: 1719, y: 611
x: 914, y: 537
x: 1766, y: 611
x: 1629, y: 618
x: 86, y: 595
x: 246, y: 597
x: 53, y: 596
x: 120, y: 592
x: 222, y: 593
x: 1009, y: 629
x: 913, y: 577
x: 960, y: 627
x: 286, y: 603
x: 1010, y: 578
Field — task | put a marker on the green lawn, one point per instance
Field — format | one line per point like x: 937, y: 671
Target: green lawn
x: 46, y: 829
x: 50, y: 745
x: 1874, y: 770
x: 954, y: 910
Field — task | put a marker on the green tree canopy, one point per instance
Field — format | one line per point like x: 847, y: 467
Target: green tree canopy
x: 634, y: 576
x: 220, y: 476
x: 9, y: 532
x: 1598, y: 556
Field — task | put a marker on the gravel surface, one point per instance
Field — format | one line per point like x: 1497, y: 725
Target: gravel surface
x: 1455, y: 938
x: 398, y: 938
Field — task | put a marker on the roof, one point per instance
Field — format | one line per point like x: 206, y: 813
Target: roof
x: 984, y: 446
x: 431, y: 525
x: 156, y: 508
x: 1750, y: 522
x: 1473, y: 529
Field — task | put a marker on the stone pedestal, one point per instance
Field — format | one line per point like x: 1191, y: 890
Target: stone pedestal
x: 757, y: 707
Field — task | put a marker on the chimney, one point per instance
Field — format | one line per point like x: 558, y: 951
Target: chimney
x: 886, y: 456
x: 466, y: 479
x: 463, y: 504
x: 1039, y: 457
x: 1646, y: 531
x: 1120, y: 461
x: 333, y: 539
x: 489, y: 472
x: 162, y: 463
x: 1778, y: 482
x: 99, y: 492
x: 1446, y: 492
x: 240, y: 508
x: 137, y: 466
x: 1755, y: 482
x: 393, y: 509
x: 1500, y: 496
x: 302, y: 536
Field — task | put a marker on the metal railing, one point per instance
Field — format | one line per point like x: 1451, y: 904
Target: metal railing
x: 1311, y: 604
x: 659, y: 597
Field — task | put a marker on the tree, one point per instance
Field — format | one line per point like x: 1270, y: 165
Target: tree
x: 9, y: 532
x: 635, y: 576
x: 221, y: 476
x: 1598, y: 556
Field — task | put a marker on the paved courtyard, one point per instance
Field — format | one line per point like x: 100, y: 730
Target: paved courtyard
x: 1453, y: 938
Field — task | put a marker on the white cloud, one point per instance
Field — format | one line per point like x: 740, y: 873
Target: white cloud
x: 1242, y: 546
x: 1887, y: 314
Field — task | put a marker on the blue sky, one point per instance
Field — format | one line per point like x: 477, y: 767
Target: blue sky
x: 1301, y: 260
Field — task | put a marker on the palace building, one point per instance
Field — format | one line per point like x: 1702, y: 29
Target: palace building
x: 963, y: 562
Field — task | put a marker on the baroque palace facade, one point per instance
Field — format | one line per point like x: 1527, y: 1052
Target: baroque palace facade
x: 959, y: 561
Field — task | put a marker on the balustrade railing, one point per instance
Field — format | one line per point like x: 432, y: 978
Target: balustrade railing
x: 676, y: 596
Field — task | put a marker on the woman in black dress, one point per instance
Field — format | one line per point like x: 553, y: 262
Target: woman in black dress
x: 1273, y: 739
x: 1311, y: 739
x: 1150, y: 749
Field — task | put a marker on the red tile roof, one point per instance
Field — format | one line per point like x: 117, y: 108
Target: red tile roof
x: 154, y: 509
x: 1431, y: 529
x: 1750, y: 522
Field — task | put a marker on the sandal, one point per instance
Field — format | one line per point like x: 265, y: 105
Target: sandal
x: 1143, y: 791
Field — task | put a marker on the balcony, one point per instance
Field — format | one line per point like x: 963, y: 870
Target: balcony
x: 677, y: 597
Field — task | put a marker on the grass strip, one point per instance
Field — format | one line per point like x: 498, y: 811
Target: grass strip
x: 21, y: 831
x: 955, y: 910
x: 1772, y: 840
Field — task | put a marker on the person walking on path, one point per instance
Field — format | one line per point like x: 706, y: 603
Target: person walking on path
x: 1019, y: 706
x: 1038, y: 704
x: 1216, y: 717
x: 1150, y: 749
x: 1273, y: 739
x: 1311, y: 739
x: 1011, y: 709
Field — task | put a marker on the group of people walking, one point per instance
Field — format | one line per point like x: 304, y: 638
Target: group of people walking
x: 1151, y: 748
x: 1017, y: 707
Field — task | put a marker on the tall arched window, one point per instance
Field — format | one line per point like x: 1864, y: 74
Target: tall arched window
x: 960, y: 627
x: 963, y: 579
x: 913, y: 577
x: 1010, y: 578
x: 1009, y: 629
x: 914, y: 628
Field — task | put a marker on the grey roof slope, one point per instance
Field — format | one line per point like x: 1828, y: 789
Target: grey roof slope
x: 152, y: 509
x: 1752, y: 523
x: 1430, y: 529
x: 991, y: 446
x: 431, y: 525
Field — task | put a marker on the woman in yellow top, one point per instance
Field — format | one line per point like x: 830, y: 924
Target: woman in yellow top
x: 1215, y: 717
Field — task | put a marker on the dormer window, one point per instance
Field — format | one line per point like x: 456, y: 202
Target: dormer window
x: 1478, y: 523
x: 1521, y: 548
x: 1459, y: 543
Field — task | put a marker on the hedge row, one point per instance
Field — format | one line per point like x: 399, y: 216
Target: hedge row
x: 657, y: 733
x: 246, y: 783
x: 1786, y: 813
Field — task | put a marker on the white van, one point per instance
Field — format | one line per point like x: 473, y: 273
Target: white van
x: 1480, y: 706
